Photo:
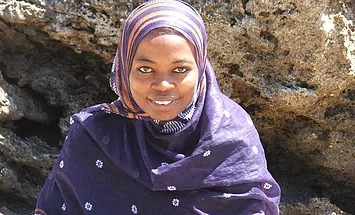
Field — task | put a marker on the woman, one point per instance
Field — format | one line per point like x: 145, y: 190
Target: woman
x: 172, y: 143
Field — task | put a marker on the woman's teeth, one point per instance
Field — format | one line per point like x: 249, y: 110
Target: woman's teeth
x: 162, y: 102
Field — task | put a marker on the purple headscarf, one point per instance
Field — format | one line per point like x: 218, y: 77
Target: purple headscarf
x: 114, y: 163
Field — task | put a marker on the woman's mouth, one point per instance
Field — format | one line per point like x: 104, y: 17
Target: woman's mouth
x: 162, y: 102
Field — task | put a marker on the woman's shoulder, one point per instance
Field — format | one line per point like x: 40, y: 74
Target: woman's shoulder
x: 97, y: 125
x: 96, y: 117
x: 93, y: 114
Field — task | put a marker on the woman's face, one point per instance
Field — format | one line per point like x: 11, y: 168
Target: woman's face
x: 164, y: 75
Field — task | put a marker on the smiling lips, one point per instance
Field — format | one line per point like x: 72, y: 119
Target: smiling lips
x: 163, y: 101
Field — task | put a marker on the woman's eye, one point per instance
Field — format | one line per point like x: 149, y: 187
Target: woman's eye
x: 145, y: 69
x: 180, y: 70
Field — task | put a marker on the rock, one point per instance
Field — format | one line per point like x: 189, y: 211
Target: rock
x: 5, y: 211
x: 16, y: 104
x: 314, y: 206
x: 290, y: 64
x: 21, y: 11
x: 24, y: 163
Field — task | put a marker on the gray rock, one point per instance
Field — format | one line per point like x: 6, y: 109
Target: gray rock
x: 24, y: 163
x: 6, y: 211
x: 16, y: 103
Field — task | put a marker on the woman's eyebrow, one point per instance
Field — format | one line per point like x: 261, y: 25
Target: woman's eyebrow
x: 183, y: 60
x: 145, y: 59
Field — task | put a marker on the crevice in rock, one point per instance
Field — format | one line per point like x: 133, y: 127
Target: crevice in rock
x: 252, y: 109
x: 10, y: 80
x: 334, y: 111
x: 345, y: 200
x: 303, y: 84
x: 236, y: 18
x: 29, y: 174
x: 15, y: 203
x: 350, y: 94
x: 244, y: 3
x: 269, y: 37
x: 293, y: 185
x: 299, y: 182
x: 2, y: 67
x: 300, y: 85
x: 24, y: 183
x: 290, y: 11
x: 232, y: 21
x: 264, y: 14
x: 278, y: 11
x: 234, y: 69
x: 49, y: 132
x: 339, y: 194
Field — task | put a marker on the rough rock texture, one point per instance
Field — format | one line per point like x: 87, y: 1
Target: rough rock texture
x: 290, y: 64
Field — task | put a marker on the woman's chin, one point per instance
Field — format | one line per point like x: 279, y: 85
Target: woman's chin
x: 162, y: 117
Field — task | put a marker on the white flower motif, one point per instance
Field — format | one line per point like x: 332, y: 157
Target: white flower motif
x: 99, y: 163
x: 227, y: 114
x: 255, y: 149
x: 50, y: 176
x: 88, y: 206
x: 176, y: 202
x: 267, y: 186
x: 105, y: 139
x: 171, y: 188
x: 71, y: 121
x: 61, y: 164
x: 207, y: 153
x: 135, y: 174
x: 164, y: 164
x: 106, y: 110
x: 64, y: 207
x: 227, y: 195
x: 134, y: 209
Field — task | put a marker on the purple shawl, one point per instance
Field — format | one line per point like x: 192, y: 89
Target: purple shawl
x: 113, y: 162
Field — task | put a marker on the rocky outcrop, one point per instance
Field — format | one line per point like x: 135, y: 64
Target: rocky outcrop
x: 290, y: 64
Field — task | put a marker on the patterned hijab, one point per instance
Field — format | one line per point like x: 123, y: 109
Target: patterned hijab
x: 149, y: 16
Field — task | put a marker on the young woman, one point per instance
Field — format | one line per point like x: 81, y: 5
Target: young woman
x: 172, y: 143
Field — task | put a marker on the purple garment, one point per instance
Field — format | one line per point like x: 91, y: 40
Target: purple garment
x: 115, y: 164
x: 110, y: 165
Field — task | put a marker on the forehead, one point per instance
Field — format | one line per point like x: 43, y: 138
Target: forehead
x: 158, y: 43
x: 165, y: 31
x: 169, y: 34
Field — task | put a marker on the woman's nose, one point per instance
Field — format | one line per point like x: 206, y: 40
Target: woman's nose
x: 163, y: 83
